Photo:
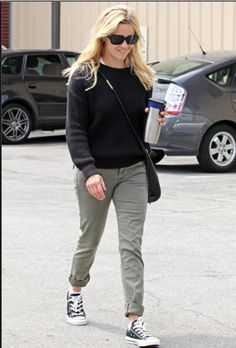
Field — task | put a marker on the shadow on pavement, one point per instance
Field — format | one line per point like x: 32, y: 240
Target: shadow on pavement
x: 187, y: 169
x: 44, y: 140
x: 179, y: 168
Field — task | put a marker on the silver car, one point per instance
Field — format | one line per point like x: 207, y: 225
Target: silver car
x: 206, y: 127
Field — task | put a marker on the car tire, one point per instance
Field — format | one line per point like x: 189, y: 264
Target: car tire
x: 218, y: 149
x: 16, y: 124
x: 157, y: 156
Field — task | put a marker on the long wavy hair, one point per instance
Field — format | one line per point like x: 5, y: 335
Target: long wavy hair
x: 107, y: 23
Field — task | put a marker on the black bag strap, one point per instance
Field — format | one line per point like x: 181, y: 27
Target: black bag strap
x: 125, y: 113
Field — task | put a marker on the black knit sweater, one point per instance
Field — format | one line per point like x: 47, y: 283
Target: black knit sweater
x: 97, y: 132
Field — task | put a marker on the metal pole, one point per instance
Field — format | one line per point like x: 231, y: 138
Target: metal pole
x: 55, y: 24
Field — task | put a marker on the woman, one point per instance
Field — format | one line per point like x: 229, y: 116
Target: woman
x: 108, y: 161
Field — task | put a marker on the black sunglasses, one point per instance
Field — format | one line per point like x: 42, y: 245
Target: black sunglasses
x: 119, y: 39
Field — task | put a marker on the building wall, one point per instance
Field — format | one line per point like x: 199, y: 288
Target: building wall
x: 30, y: 24
x: 213, y: 23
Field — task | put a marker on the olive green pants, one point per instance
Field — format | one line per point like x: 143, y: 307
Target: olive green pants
x: 127, y: 188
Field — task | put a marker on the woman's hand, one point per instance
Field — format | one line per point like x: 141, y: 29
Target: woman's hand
x: 161, y: 118
x: 96, y: 186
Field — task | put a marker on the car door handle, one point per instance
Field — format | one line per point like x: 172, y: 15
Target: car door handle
x: 235, y: 100
x: 32, y: 85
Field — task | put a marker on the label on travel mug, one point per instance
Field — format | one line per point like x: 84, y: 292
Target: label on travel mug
x: 153, y: 128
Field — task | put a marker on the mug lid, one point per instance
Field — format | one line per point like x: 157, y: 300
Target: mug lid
x: 160, y: 101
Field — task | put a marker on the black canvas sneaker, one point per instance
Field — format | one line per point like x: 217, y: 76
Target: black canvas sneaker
x: 75, y: 310
x: 137, y: 334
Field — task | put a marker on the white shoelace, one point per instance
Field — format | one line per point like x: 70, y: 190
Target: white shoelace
x: 139, y: 328
x: 76, y: 305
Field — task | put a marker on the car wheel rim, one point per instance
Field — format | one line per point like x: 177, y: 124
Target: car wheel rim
x: 222, y: 149
x: 15, y: 124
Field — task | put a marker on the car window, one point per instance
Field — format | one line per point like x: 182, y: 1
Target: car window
x: 12, y: 65
x: 44, y: 65
x: 71, y: 58
x: 177, y: 67
x: 221, y: 77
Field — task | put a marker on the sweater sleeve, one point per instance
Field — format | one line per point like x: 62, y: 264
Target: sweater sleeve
x: 77, y: 124
x: 148, y: 94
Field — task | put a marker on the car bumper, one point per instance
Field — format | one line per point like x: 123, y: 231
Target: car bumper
x: 182, y: 134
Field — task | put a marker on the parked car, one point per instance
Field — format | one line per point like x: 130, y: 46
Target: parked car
x: 33, y: 91
x: 206, y: 127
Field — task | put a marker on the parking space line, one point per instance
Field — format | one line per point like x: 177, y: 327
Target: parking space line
x: 204, y: 176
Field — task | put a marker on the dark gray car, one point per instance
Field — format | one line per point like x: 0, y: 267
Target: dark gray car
x: 33, y: 91
x: 206, y: 128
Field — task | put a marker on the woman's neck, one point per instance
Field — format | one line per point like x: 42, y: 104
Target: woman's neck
x: 113, y: 63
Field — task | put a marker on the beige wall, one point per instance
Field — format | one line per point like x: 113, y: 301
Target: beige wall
x: 214, y: 24
x: 30, y: 24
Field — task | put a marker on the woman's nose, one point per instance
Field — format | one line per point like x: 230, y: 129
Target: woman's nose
x: 124, y: 44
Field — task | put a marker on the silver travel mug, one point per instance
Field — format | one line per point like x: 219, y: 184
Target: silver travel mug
x: 153, y: 128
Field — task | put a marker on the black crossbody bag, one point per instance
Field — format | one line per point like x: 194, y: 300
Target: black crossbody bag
x: 154, y: 189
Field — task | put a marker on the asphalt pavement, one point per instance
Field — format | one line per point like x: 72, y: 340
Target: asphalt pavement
x: 189, y: 250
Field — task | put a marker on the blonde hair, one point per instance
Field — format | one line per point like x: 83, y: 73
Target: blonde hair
x: 107, y: 23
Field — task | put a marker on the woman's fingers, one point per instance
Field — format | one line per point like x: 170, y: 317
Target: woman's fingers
x: 162, y: 119
x: 96, y: 186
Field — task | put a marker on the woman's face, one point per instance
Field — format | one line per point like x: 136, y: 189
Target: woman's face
x: 116, y: 54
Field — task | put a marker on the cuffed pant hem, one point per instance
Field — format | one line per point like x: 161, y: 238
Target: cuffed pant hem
x: 134, y: 308
x: 79, y: 282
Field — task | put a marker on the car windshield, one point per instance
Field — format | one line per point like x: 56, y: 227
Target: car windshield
x: 177, y: 67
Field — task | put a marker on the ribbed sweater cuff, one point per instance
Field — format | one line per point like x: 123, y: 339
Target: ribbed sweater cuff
x: 89, y: 171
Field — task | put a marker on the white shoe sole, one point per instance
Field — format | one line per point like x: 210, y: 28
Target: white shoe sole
x: 77, y: 322
x: 139, y: 343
